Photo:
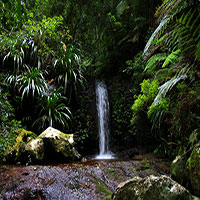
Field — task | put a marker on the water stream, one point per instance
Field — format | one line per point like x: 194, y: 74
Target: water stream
x: 102, y: 104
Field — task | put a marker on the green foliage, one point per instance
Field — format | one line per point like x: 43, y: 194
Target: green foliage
x: 135, y: 68
x: 148, y: 92
x: 9, y: 124
x: 12, y: 14
x: 121, y: 113
x: 53, y: 110
x: 157, y: 112
x: 29, y: 53
x: 30, y: 83
x: 155, y: 60
x: 81, y: 126
x: 68, y: 68
x: 174, y: 61
x: 29, y: 46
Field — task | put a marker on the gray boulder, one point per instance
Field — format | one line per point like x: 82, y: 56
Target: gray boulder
x: 50, y: 146
x: 150, y: 188
x: 53, y: 145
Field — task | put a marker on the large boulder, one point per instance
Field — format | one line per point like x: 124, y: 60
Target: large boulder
x: 59, y: 144
x: 35, y: 150
x: 50, y: 146
x: 152, y: 187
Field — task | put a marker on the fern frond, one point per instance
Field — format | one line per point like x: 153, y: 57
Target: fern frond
x: 197, y: 52
x: 155, y: 33
x: 172, y: 57
x: 166, y: 87
x: 172, y: 7
x: 154, y: 60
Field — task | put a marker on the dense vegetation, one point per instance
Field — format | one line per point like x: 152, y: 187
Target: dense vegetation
x: 51, y: 51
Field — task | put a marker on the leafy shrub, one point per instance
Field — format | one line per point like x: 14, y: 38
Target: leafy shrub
x: 149, y: 89
x: 8, y: 123
x: 53, y: 110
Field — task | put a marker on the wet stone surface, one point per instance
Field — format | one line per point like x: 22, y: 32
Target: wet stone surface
x: 75, y: 181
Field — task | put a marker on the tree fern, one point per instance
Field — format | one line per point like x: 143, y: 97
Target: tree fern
x: 172, y: 7
x: 167, y: 12
x: 187, y: 32
x: 197, y: 52
x: 172, y: 57
x: 154, y: 61
x: 166, y: 87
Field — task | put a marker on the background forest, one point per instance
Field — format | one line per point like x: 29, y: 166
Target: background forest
x: 52, y: 51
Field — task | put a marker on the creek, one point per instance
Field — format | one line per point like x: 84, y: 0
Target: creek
x: 94, y: 179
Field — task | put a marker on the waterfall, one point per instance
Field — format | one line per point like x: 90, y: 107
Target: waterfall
x: 102, y: 104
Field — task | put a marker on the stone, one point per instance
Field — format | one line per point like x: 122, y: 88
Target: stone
x: 50, y: 146
x: 35, y: 148
x: 194, y: 168
x: 151, y: 187
x: 60, y: 143
x: 178, y: 169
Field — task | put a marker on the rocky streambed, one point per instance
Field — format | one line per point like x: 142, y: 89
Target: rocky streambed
x: 89, y: 180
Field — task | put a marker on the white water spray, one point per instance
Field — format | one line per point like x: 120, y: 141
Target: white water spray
x: 103, y: 120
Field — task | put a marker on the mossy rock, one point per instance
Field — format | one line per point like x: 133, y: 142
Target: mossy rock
x: 35, y: 148
x: 194, y: 168
x: 178, y: 169
x: 60, y: 143
x: 50, y: 146
x: 16, y: 152
x: 149, y: 188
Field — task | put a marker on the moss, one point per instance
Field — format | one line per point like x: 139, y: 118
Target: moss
x: 194, y: 159
x: 145, y: 164
x: 13, y: 153
x: 23, y: 138
x: 102, y: 188
x: 178, y: 169
x: 110, y: 172
x: 193, y: 167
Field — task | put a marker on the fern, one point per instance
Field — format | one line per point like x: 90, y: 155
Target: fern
x: 197, y: 52
x: 186, y: 32
x: 167, y: 86
x: 173, y: 57
x: 154, y: 61
x: 167, y: 12
x: 171, y: 7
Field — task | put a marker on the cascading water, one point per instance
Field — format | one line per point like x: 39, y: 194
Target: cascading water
x: 103, y: 120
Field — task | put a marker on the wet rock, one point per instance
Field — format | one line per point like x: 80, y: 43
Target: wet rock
x: 152, y: 187
x: 50, y: 146
x: 91, y: 180
x: 193, y: 167
x: 178, y: 169
x: 35, y: 149
x: 59, y: 143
